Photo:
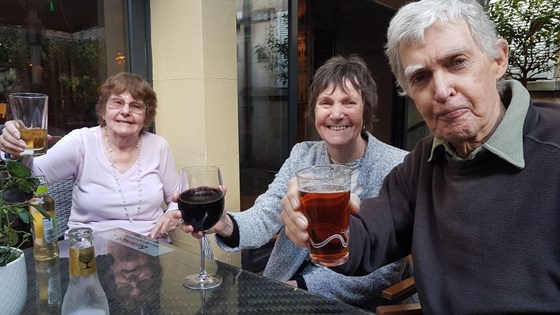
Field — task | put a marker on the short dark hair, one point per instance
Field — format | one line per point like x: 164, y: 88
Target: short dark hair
x: 136, y: 85
x: 336, y: 71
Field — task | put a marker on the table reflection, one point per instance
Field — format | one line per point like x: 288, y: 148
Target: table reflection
x: 48, y: 287
x: 214, y: 301
x: 142, y: 276
x: 133, y: 279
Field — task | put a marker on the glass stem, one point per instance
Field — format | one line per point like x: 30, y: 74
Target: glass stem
x: 202, y: 275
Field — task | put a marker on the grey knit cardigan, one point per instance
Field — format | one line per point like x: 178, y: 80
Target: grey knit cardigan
x: 259, y: 223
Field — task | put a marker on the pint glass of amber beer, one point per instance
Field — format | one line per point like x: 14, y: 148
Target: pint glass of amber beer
x: 325, y: 191
x: 30, y: 110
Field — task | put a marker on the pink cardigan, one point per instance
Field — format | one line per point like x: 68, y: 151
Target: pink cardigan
x: 96, y: 202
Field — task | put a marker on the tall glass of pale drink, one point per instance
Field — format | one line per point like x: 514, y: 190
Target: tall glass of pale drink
x: 30, y: 110
x: 325, y: 191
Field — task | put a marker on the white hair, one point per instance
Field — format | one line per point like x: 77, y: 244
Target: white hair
x: 411, y: 21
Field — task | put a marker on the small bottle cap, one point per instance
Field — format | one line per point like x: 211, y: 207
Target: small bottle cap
x: 42, y: 188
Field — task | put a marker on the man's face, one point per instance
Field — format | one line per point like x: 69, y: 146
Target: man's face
x: 453, y: 84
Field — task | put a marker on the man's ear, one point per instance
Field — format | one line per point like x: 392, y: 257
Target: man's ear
x: 501, y: 58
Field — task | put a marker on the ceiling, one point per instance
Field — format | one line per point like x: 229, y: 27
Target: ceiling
x: 76, y: 15
x: 393, y: 4
x: 62, y: 15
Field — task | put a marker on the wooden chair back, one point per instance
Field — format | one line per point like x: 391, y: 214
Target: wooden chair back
x: 396, y: 294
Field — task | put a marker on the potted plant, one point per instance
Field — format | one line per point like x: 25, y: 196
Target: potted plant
x: 16, y: 190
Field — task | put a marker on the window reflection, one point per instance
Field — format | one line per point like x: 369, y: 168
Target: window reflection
x: 63, y: 48
x: 262, y: 50
x: 416, y: 128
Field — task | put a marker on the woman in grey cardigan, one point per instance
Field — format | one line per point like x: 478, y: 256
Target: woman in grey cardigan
x: 343, y: 97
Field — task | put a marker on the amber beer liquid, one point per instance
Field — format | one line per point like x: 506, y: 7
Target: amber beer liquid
x: 325, y: 192
x: 35, y: 138
x: 45, y: 231
x: 328, y: 224
x: 30, y: 110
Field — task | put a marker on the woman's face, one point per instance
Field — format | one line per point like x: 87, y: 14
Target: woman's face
x: 132, y: 272
x: 339, y: 118
x: 124, y: 116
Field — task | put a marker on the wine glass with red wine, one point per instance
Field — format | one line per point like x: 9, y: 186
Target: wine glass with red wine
x: 202, y: 203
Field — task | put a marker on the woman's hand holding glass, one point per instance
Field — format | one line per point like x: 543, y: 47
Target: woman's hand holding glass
x: 224, y: 227
x: 201, y: 201
x: 10, y: 140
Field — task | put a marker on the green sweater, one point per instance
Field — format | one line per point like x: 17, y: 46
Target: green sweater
x: 484, y: 232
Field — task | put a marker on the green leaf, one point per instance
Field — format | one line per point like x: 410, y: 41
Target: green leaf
x: 12, y: 238
x: 25, y: 216
x: 16, y: 189
x: 7, y: 255
x: 41, y: 209
x: 26, y: 235
x: 17, y: 169
x: 532, y: 29
x: 28, y: 185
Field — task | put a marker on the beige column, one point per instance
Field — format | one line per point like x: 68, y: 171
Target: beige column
x: 195, y: 77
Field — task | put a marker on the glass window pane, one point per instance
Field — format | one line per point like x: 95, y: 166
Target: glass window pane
x: 262, y: 50
x: 416, y: 128
x: 63, y: 48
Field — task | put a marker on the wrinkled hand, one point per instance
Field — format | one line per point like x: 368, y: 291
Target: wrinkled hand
x: 166, y: 224
x: 295, y: 221
x: 224, y: 227
x: 10, y: 139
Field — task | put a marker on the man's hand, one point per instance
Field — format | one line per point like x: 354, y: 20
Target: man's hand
x: 295, y: 221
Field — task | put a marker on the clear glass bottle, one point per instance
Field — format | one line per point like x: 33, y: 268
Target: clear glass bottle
x: 45, y: 231
x: 84, y: 294
x: 49, y: 294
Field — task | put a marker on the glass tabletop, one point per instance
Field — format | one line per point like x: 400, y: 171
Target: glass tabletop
x: 142, y: 276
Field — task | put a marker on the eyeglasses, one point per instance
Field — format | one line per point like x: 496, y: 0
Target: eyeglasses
x: 134, y: 107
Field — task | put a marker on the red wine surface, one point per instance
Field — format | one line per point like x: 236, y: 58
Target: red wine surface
x: 202, y: 207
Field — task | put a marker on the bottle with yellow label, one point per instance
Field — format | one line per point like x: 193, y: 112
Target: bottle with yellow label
x: 45, y: 231
x: 84, y: 294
